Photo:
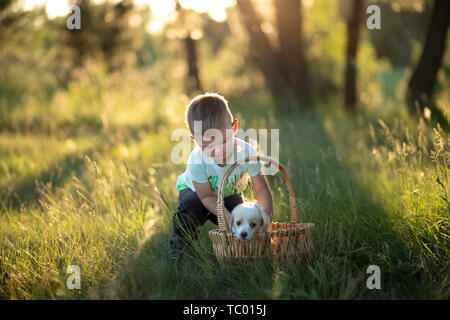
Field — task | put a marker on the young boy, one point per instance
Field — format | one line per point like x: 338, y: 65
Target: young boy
x: 216, y: 150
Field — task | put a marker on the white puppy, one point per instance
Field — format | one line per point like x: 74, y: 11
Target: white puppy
x: 247, y: 219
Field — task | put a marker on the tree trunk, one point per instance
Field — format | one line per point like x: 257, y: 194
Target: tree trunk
x: 193, y: 79
x: 353, y: 30
x: 423, y: 79
x: 193, y: 85
x: 263, y: 54
x: 289, y: 22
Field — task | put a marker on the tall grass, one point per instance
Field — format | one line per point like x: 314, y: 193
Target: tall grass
x: 87, y: 180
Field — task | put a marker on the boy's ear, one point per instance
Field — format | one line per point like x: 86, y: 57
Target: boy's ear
x: 234, y: 125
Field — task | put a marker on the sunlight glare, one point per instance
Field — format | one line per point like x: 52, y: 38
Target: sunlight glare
x: 161, y: 9
x: 201, y: 6
x: 197, y: 34
x: 218, y: 14
x: 155, y: 27
x: 57, y: 8
x: 308, y: 3
x: 140, y: 4
x: 32, y: 4
x: 215, y: 8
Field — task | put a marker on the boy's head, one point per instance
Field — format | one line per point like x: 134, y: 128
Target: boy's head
x: 211, y: 125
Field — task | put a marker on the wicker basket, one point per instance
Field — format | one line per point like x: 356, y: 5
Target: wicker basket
x: 284, y: 240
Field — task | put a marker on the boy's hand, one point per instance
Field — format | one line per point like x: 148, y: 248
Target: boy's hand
x: 209, y: 200
x: 263, y: 194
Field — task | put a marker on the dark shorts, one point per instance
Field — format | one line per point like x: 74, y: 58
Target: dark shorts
x: 192, y: 214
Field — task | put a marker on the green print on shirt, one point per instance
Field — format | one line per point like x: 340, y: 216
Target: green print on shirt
x: 213, y: 182
x: 230, y: 185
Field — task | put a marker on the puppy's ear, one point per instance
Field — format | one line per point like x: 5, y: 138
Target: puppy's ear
x: 232, y: 224
x: 265, y: 219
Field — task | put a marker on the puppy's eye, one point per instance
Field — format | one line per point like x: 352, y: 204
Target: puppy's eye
x: 252, y: 225
x: 238, y: 223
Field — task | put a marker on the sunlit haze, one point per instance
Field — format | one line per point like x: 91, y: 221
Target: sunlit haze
x: 161, y: 10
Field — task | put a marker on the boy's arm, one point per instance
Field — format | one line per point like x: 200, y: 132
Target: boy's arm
x: 263, y: 194
x: 209, y: 200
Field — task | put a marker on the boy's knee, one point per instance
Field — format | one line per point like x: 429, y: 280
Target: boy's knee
x: 191, y: 212
x: 191, y: 205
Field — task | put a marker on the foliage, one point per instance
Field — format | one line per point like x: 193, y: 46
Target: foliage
x: 86, y: 176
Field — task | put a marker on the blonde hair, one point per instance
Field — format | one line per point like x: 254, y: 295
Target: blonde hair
x: 210, y: 108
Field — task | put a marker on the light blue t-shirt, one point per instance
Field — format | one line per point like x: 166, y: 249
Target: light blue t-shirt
x: 201, y: 168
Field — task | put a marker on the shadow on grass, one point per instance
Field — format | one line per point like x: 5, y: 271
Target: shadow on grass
x: 27, y: 190
x: 352, y: 231
x: 81, y: 126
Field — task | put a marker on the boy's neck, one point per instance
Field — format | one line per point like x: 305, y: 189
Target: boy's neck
x: 231, y: 154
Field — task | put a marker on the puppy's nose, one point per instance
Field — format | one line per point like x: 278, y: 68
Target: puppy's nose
x: 244, y: 234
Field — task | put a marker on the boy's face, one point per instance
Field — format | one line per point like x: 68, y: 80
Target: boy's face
x: 218, y: 144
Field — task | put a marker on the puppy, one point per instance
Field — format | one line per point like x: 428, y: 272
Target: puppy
x: 247, y: 219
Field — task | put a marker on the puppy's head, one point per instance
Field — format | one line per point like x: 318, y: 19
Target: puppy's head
x: 247, y: 219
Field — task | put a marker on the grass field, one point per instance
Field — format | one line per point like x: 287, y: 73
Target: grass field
x: 87, y: 180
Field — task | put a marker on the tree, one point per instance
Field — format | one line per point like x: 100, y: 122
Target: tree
x: 193, y: 79
x: 353, y: 31
x: 105, y: 31
x: 423, y: 79
x: 4, y: 4
x: 9, y: 18
x: 184, y: 23
x: 5, y: 19
x: 289, y: 22
x: 262, y: 52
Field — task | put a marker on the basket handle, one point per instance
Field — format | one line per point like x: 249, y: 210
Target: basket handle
x: 220, y: 200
